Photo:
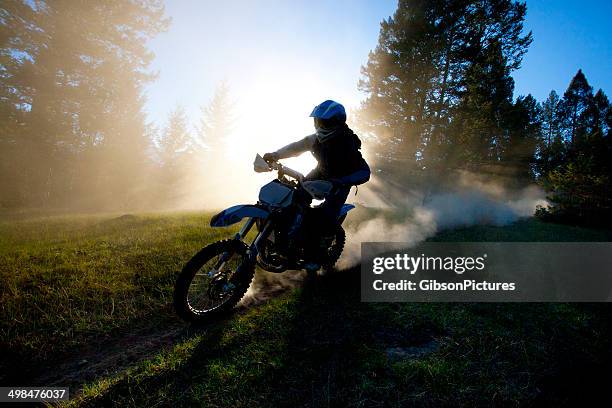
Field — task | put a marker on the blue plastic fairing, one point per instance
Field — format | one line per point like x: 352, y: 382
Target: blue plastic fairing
x: 275, y: 194
x: 234, y: 214
x: 345, y: 209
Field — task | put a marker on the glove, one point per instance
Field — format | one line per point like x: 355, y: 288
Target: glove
x: 271, y: 157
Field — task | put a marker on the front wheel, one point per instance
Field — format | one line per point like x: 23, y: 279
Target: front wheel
x: 213, y: 281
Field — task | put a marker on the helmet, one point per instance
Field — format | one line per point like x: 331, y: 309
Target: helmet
x: 329, y: 110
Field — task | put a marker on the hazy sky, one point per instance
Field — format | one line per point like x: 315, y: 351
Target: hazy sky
x: 295, y: 44
x: 281, y: 57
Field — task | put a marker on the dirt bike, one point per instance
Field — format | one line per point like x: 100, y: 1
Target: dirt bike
x: 218, y: 276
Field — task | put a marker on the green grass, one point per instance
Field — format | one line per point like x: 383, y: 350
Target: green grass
x: 71, y: 281
x: 66, y: 280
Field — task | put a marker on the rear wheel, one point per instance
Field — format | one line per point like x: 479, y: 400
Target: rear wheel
x: 335, y: 249
x: 213, y: 281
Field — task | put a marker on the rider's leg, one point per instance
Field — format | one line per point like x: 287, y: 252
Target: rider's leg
x: 330, y: 209
x: 325, y: 222
x: 296, y: 217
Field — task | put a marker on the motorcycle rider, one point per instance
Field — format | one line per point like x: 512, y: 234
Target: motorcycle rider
x: 337, y: 151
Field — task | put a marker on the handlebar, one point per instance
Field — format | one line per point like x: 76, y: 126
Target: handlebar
x: 318, y: 189
x: 284, y: 170
x: 260, y: 165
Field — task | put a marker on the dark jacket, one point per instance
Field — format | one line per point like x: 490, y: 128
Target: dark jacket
x: 339, y: 157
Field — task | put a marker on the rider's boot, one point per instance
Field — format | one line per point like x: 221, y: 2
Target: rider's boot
x: 317, y: 253
x: 312, y: 268
x: 325, y: 269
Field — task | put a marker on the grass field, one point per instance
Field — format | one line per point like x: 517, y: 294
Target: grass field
x: 85, y: 302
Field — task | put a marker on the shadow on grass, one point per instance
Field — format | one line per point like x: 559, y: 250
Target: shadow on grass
x: 313, y: 347
x: 321, y: 346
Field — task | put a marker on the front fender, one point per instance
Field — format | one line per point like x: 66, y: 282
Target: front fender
x: 234, y: 214
x: 345, y: 209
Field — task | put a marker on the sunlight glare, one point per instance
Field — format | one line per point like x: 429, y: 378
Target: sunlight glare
x: 271, y: 112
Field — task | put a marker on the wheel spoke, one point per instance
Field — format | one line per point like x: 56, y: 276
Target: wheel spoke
x: 206, y: 290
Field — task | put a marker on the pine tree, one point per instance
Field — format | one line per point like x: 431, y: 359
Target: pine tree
x: 175, y: 139
x: 480, y: 124
x: 174, y: 147
x: 216, y: 126
x: 575, y: 102
x: 580, y: 183
x: 550, y: 152
x: 524, y: 130
x: 601, y: 115
x: 216, y: 121
x: 76, y: 72
x: 421, y: 72
x: 397, y: 78
x: 550, y: 122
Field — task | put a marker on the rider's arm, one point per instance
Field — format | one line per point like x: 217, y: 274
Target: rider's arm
x: 296, y: 148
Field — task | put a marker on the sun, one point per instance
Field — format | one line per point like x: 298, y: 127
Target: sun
x: 272, y: 114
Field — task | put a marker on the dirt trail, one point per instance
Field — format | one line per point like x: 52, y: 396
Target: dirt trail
x: 112, y: 355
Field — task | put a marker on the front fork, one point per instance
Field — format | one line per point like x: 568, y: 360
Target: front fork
x: 254, y: 247
x: 245, y: 229
x: 252, y: 251
x: 227, y: 255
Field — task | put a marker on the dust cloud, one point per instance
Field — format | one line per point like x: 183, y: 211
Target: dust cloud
x: 473, y: 201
